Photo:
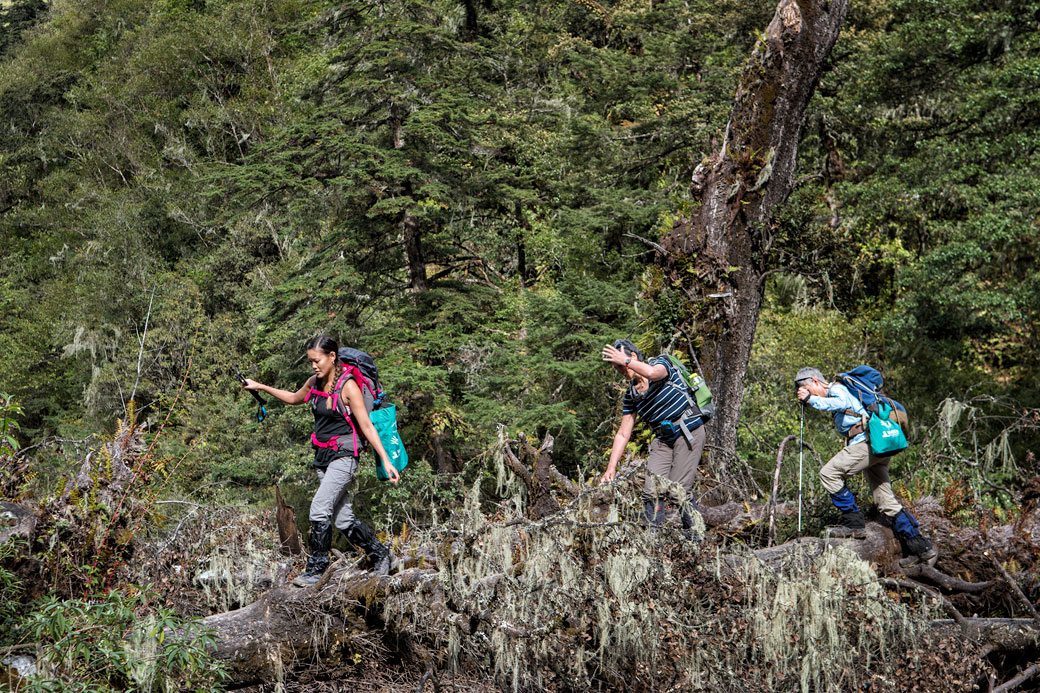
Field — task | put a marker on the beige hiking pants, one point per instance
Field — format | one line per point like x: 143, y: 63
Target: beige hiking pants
x: 675, y: 461
x: 857, y: 458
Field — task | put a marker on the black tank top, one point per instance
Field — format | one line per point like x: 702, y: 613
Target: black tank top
x: 334, y: 435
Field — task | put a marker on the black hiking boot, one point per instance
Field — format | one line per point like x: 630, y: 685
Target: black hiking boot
x: 379, y: 557
x: 921, y: 552
x: 852, y: 526
x: 655, y: 516
x: 318, y: 561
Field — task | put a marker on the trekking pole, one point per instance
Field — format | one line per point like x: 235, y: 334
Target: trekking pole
x: 261, y: 410
x: 801, y: 453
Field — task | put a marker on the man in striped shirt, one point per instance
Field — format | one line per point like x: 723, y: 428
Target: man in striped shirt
x: 658, y: 396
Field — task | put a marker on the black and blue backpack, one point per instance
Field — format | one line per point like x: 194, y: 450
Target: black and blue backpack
x: 866, y: 384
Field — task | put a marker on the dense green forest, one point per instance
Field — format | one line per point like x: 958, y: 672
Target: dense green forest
x: 473, y: 192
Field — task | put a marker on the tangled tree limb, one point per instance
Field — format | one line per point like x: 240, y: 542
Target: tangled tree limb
x: 572, y: 598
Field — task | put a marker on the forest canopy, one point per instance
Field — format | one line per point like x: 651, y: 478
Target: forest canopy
x: 475, y: 193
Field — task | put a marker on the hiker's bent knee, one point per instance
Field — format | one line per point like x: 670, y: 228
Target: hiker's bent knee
x: 831, y: 477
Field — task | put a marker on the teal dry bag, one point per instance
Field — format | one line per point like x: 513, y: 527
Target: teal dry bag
x: 385, y: 421
x: 884, y: 434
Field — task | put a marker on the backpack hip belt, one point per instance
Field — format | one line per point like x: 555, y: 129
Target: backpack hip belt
x: 680, y: 423
x: 856, y: 428
x: 331, y: 443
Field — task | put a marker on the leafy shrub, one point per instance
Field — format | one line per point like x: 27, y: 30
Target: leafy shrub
x: 119, y: 642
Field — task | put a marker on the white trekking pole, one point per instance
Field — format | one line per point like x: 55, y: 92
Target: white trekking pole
x: 801, y: 452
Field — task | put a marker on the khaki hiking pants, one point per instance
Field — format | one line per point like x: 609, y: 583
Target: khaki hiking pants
x: 857, y: 458
x: 675, y: 461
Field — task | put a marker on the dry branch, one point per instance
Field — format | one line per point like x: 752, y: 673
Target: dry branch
x: 1027, y: 673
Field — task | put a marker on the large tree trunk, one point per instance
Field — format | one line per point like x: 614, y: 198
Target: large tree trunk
x: 414, y: 252
x: 752, y: 172
x: 409, y: 225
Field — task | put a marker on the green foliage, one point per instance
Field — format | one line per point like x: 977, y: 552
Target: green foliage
x: 11, y: 587
x: 461, y: 190
x: 466, y: 191
x: 927, y: 130
x: 117, y: 642
x: 791, y: 335
x: 9, y: 411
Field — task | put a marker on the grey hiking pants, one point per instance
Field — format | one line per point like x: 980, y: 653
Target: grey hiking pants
x: 674, y: 461
x: 332, y: 500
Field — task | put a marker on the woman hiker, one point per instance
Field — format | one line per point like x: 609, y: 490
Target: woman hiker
x: 340, y: 406
x: 658, y: 396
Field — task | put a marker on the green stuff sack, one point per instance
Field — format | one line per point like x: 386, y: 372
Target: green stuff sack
x: 385, y: 421
x: 695, y: 386
x: 885, y: 436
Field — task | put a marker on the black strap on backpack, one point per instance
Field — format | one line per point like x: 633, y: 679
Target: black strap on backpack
x: 690, y: 411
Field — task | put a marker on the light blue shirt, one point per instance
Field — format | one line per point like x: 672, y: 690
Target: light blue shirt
x: 839, y: 399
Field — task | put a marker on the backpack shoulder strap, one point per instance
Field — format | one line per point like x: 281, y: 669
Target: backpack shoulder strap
x: 684, y: 387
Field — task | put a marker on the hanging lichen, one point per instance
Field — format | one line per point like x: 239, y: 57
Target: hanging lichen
x: 591, y: 598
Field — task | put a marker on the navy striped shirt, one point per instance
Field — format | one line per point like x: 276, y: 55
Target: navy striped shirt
x: 660, y: 402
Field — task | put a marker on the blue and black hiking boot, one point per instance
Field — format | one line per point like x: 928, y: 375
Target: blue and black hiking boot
x: 917, y: 549
x: 852, y: 526
x: 921, y: 552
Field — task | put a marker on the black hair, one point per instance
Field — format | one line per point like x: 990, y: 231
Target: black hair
x: 323, y: 342
x: 628, y: 347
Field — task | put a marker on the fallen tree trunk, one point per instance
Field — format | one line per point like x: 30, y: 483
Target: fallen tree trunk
x: 350, y: 608
x: 287, y: 625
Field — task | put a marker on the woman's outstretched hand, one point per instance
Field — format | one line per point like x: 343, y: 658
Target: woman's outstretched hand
x: 391, y: 472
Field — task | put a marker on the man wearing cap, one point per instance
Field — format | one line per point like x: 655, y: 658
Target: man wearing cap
x: 813, y: 389
x: 657, y: 394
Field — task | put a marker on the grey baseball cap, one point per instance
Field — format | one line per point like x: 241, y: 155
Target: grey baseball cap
x: 806, y: 373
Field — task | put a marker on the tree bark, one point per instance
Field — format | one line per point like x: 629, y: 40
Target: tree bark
x: 288, y: 535
x: 289, y: 624
x: 410, y: 231
x: 728, y: 240
x: 413, y: 251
